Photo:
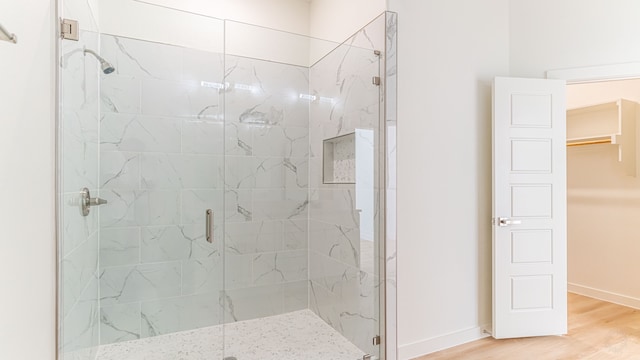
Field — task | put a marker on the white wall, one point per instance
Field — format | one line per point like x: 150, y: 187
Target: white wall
x: 27, y: 244
x: 337, y: 20
x: 551, y: 34
x: 603, y: 208
x: 449, y: 52
x: 287, y: 15
x: 189, y: 29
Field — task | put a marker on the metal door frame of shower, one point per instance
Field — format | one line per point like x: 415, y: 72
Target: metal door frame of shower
x: 57, y: 180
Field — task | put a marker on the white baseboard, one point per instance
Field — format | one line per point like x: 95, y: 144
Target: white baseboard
x: 428, y: 346
x: 604, y: 295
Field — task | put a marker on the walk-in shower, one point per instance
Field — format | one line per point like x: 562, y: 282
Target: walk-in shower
x: 245, y: 182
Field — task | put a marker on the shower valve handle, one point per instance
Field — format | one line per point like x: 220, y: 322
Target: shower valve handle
x: 86, y: 201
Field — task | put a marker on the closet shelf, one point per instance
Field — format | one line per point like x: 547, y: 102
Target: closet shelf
x: 609, y: 123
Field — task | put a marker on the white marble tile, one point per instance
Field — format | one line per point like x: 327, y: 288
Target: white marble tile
x: 140, y: 208
x: 201, y: 65
x: 161, y: 171
x: 202, y: 171
x: 80, y: 150
x: 296, y: 234
x: 253, y: 302
x: 165, y: 243
x: 238, y: 272
x: 240, y: 172
x: 126, y: 284
x: 202, y: 136
x: 238, y: 139
x: 121, y: 209
x: 238, y: 205
x: 274, y: 172
x: 280, y: 267
x: 254, y: 237
x: 296, y: 295
x: 120, y: 94
x: 119, y: 323
x: 263, y: 92
x: 81, y: 322
x: 119, y: 170
x: 190, y: 99
x: 181, y: 313
x: 142, y: 59
x: 125, y: 132
x: 119, y: 246
x: 273, y: 204
x: 280, y: 141
x: 202, y: 275
x: 334, y: 206
x: 339, y: 242
x: 196, y: 202
x: 79, y: 269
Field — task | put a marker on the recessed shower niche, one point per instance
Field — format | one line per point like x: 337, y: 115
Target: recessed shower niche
x: 339, y: 159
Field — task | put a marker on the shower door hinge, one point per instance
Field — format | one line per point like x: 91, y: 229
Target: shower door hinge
x: 376, y: 340
x: 377, y: 52
x: 376, y: 80
x: 69, y: 30
x: 367, y: 357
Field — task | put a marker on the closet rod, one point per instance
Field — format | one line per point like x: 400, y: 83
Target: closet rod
x: 589, y: 142
x: 7, y: 36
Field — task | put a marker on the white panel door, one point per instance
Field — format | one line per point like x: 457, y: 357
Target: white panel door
x: 529, y: 208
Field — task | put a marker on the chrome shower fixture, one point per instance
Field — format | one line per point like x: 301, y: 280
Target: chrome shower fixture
x: 106, y: 66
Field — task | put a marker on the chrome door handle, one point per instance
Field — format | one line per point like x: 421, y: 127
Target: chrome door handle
x: 86, y: 201
x: 209, y: 225
x: 508, y: 221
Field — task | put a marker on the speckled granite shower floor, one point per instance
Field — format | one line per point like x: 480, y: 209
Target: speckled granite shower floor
x: 292, y: 336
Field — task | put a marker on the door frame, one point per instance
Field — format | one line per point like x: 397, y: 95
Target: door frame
x: 613, y: 72
x: 593, y: 74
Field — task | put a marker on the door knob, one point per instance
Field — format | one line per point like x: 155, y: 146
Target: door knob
x: 86, y: 201
x: 507, y: 221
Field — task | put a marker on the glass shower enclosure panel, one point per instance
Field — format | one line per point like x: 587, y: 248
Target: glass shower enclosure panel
x: 141, y: 128
x: 302, y: 154
x: 347, y: 172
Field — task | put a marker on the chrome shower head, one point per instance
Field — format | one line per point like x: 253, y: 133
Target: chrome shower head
x: 106, y: 66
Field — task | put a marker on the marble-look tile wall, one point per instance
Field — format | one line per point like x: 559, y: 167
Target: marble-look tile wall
x: 266, y: 182
x: 162, y: 166
x: 166, y: 156
x: 79, y: 158
x: 343, y: 263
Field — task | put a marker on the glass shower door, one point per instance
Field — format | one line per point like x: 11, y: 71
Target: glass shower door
x: 302, y: 202
x: 140, y: 127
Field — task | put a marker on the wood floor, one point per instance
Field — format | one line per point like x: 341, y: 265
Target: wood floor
x: 597, y: 330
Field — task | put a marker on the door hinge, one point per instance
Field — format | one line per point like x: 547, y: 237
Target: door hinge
x: 69, y: 30
x: 376, y: 80
x: 376, y: 340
